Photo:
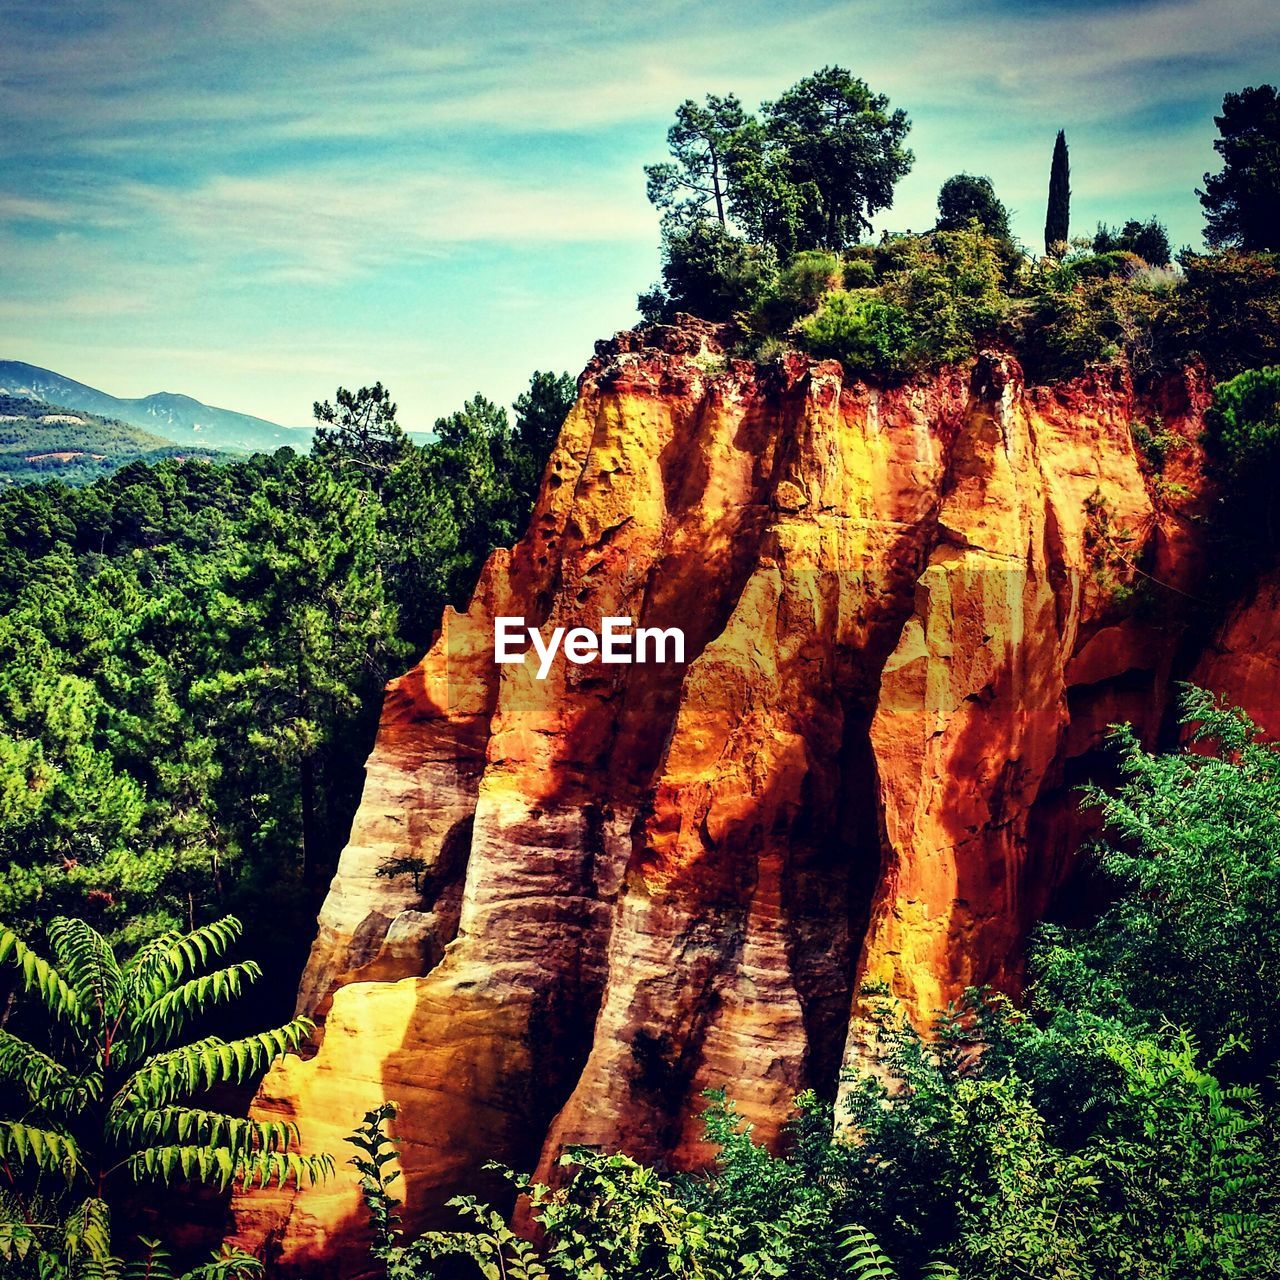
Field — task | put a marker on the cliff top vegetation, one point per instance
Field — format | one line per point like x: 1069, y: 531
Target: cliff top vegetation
x: 763, y: 221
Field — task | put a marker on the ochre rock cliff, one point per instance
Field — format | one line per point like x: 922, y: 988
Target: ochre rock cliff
x: 910, y: 615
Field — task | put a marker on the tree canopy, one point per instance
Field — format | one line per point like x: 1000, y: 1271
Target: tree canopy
x: 695, y: 183
x: 966, y: 198
x: 1149, y: 240
x: 1242, y: 201
x: 809, y: 172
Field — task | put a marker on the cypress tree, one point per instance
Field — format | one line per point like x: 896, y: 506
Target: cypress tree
x: 1057, y: 222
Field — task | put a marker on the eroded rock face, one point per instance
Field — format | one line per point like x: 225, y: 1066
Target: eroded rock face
x: 910, y: 615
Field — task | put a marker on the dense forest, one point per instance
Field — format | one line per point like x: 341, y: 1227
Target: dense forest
x: 191, y: 664
x: 192, y: 658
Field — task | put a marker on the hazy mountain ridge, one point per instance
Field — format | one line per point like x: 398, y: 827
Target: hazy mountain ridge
x: 179, y: 419
x: 42, y: 441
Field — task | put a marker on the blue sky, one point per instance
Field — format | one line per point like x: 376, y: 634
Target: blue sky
x: 252, y: 201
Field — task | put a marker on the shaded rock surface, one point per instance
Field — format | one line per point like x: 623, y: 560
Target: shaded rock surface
x: 910, y: 615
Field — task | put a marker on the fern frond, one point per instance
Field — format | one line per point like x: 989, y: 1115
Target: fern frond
x: 939, y: 1271
x: 21, y: 1063
x: 88, y: 1231
x: 186, y: 1125
x: 41, y: 1149
x: 230, y: 1264
x: 39, y: 975
x: 170, y: 1011
x: 159, y: 968
x: 284, y: 1166
x: 862, y: 1255
x: 220, y: 1167
x: 145, y: 970
x: 155, y: 1263
x: 192, y: 1068
x: 89, y: 965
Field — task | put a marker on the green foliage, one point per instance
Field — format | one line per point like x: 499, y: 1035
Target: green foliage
x: 806, y: 279
x: 83, y: 1251
x: 1242, y: 201
x: 1057, y: 222
x: 1006, y: 1147
x: 1093, y: 310
x: 1244, y: 422
x: 824, y: 161
x: 1104, y: 264
x: 949, y: 284
x: 418, y: 869
x: 753, y: 204
x: 192, y: 658
x: 360, y: 431
x: 375, y: 1150
x: 710, y: 272
x: 540, y: 413
x: 940, y: 293
x: 497, y: 1252
x: 741, y: 192
x: 109, y: 1103
x: 1226, y: 310
x: 1193, y: 851
x: 1148, y: 240
x: 858, y: 273
x: 613, y: 1218
x: 1243, y: 434
x: 694, y: 184
x: 859, y: 329
x: 863, y: 1257
x: 1155, y: 443
x: 966, y: 198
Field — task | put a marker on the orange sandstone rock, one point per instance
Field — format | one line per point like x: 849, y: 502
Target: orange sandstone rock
x: 910, y: 614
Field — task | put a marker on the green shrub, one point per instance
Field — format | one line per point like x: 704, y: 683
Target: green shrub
x: 1227, y: 311
x: 807, y: 278
x: 950, y: 285
x: 1154, y: 442
x: 1007, y: 1148
x: 710, y: 273
x: 858, y: 273
x: 1114, y: 262
x: 940, y: 294
x: 1193, y: 849
x: 1244, y: 421
x: 798, y: 289
x: 861, y: 330
x: 1098, y: 319
x: 1243, y: 435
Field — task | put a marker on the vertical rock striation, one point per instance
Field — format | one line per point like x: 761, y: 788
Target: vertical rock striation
x: 910, y: 615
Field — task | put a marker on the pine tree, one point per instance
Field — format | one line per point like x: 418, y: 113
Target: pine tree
x: 1057, y: 223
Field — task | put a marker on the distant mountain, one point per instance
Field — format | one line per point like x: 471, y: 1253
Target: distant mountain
x: 177, y: 418
x: 41, y: 441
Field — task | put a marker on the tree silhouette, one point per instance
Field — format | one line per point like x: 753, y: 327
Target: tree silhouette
x: 1057, y: 222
